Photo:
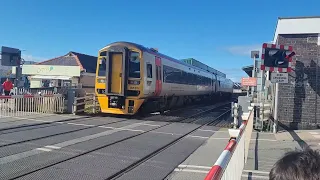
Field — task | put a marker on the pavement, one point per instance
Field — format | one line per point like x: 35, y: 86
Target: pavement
x: 198, y: 164
x: 267, y: 148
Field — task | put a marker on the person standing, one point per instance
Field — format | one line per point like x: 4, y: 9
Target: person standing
x: 7, y: 86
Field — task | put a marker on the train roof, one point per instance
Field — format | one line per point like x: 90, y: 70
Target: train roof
x: 143, y: 48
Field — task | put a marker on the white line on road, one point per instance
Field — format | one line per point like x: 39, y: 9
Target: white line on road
x: 146, y: 124
x: 212, y: 131
x: 191, y: 170
x: 316, y: 136
x: 53, y: 147
x: 201, y: 137
x: 89, y: 125
x: 314, y: 133
x: 194, y: 166
x: 44, y: 149
x: 264, y: 140
x: 36, y: 151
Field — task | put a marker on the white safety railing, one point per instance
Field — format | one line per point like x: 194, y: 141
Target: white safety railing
x: 230, y: 163
x: 22, y: 105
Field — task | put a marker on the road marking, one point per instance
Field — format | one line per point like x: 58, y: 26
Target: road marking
x: 201, y: 137
x: 44, y: 149
x: 264, y: 140
x: 255, y: 171
x: 53, y: 147
x: 15, y: 157
x: 212, y: 131
x: 89, y: 125
x: 194, y: 166
x: 316, y: 136
x: 126, y: 129
x: 313, y: 133
x: 191, y: 170
x: 159, y: 132
x: 146, y: 124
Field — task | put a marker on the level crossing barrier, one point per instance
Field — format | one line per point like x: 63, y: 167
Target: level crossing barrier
x: 230, y: 163
x: 22, y: 105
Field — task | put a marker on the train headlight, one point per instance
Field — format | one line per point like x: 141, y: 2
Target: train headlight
x: 134, y: 82
x: 101, y: 80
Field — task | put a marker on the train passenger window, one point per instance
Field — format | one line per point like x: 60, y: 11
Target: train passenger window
x: 134, y: 65
x: 102, y: 67
x: 149, y: 71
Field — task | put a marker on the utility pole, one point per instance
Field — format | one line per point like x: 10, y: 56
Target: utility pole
x: 254, y: 56
x: 276, y: 98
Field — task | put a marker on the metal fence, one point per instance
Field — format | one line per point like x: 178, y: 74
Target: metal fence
x: 22, y: 105
x: 45, y: 90
x: 86, y: 104
x: 230, y: 163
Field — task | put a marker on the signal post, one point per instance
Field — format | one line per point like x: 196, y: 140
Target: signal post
x: 12, y: 57
x: 277, y: 59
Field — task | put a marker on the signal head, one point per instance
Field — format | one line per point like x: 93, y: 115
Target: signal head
x: 277, y: 57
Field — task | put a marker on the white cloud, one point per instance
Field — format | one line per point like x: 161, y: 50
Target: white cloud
x: 28, y: 57
x: 244, y: 50
x: 235, y: 74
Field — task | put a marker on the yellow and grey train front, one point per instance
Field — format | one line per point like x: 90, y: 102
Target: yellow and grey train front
x: 119, y: 78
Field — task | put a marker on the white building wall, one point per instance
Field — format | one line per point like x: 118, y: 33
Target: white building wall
x: 298, y: 25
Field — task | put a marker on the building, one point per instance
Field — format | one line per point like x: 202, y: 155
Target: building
x: 72, y: 69
x: 299, y: 100
x: 6, y: 71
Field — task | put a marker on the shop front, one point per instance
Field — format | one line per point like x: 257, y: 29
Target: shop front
x: 42, y: 76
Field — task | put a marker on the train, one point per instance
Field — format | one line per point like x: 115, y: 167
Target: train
x: 132, y: 78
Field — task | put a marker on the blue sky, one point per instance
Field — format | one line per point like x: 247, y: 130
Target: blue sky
x: 218, y: 33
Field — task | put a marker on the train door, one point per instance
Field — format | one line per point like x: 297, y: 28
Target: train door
x: 150, y: 86
x: 116, y: 74
x: 158, y: 76
x: 214, y: 81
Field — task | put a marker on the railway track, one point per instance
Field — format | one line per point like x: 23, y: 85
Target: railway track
x: 194, y: 118
x: 158, y: 151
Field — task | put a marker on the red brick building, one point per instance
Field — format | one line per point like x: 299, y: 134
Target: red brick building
x: 299, y: 100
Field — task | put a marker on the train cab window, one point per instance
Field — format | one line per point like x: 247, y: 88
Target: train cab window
x: 149, y: 71
x: 134, y: 65
x: 102, y: 67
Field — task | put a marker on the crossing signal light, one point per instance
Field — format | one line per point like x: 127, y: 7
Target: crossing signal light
x: 276, y: 57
